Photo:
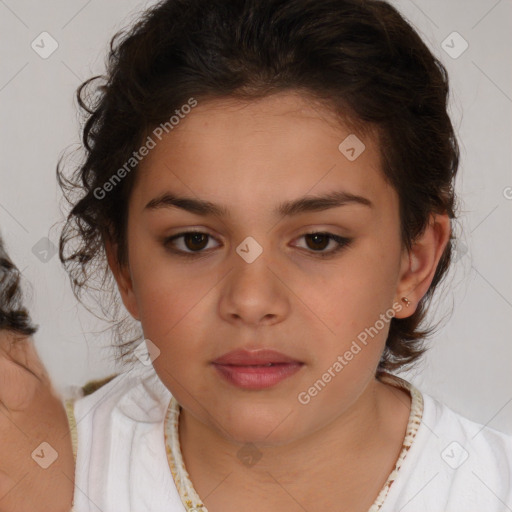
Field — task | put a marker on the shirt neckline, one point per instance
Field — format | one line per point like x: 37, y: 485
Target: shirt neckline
x: 191, y: 500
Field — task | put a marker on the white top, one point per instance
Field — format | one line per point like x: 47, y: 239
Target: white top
x: 448, y: 463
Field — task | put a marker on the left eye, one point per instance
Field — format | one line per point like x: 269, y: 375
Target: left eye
x: 320, y: 240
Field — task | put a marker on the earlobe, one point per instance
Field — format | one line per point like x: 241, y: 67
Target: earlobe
x: 420, y: 263
x: 123, y: 279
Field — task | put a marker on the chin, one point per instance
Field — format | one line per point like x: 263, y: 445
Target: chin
x: 255, y: 424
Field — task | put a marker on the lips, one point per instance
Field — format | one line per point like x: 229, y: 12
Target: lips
x: 256, y: 370
x: 254, y: 358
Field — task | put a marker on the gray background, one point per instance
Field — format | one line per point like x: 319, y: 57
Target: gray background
x: 469, y: 364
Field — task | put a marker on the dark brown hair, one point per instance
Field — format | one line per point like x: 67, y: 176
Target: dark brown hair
x: 13, y: 315
x: 360, y: 58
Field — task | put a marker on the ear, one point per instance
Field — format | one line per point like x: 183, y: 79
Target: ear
x: 419, y: 265
x: 123, y: 279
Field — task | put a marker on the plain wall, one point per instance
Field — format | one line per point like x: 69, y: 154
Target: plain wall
x: 468, y: 365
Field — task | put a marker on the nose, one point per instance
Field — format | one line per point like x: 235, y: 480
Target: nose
x: 254, y: 293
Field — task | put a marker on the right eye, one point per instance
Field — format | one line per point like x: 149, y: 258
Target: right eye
x: 191, y: 244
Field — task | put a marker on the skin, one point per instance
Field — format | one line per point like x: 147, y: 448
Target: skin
x: 31, y: 413
x: 249, y: 157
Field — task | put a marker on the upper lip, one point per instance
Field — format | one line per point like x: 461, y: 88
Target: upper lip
x: 253, y: 357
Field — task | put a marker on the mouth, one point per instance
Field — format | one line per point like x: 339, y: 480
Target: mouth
x: 256, y: 370
x: 261, y: 357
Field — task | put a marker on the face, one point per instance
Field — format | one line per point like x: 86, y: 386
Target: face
x: 255, y: 275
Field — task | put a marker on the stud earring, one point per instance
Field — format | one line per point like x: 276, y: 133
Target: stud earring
x: 406, y: 301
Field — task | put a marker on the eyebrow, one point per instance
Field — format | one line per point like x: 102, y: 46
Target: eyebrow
x: 285, y: 209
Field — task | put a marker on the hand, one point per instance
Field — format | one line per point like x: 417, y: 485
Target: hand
x: 31, y: 413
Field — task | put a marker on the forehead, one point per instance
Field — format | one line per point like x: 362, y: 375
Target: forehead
x: 253, y: 153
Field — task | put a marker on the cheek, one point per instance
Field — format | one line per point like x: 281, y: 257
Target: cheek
x: 166, y: 306
x: 348, y: 307
x: 353, y: 300
x: 163, y: 290
x: 174, y: 308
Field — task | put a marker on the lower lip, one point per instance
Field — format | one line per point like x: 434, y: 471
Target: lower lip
x: 257, y: 377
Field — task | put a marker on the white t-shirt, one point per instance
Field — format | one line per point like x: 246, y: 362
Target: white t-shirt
x: 453, y: 465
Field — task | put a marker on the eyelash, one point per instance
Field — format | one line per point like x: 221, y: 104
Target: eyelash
x: 342, y: 242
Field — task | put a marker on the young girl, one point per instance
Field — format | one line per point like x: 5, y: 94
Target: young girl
x: 270, y: 184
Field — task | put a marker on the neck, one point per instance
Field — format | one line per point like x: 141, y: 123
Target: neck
x: 372, y: 428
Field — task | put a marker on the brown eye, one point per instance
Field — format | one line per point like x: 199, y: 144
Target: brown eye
x: 188, y: 243
x: 317, y: 242
x: 195, y: 241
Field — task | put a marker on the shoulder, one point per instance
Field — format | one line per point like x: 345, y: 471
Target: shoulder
x: 480, y: 438
x: 121, y: 459
x: 454, y: 464
x: 134, y: 393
